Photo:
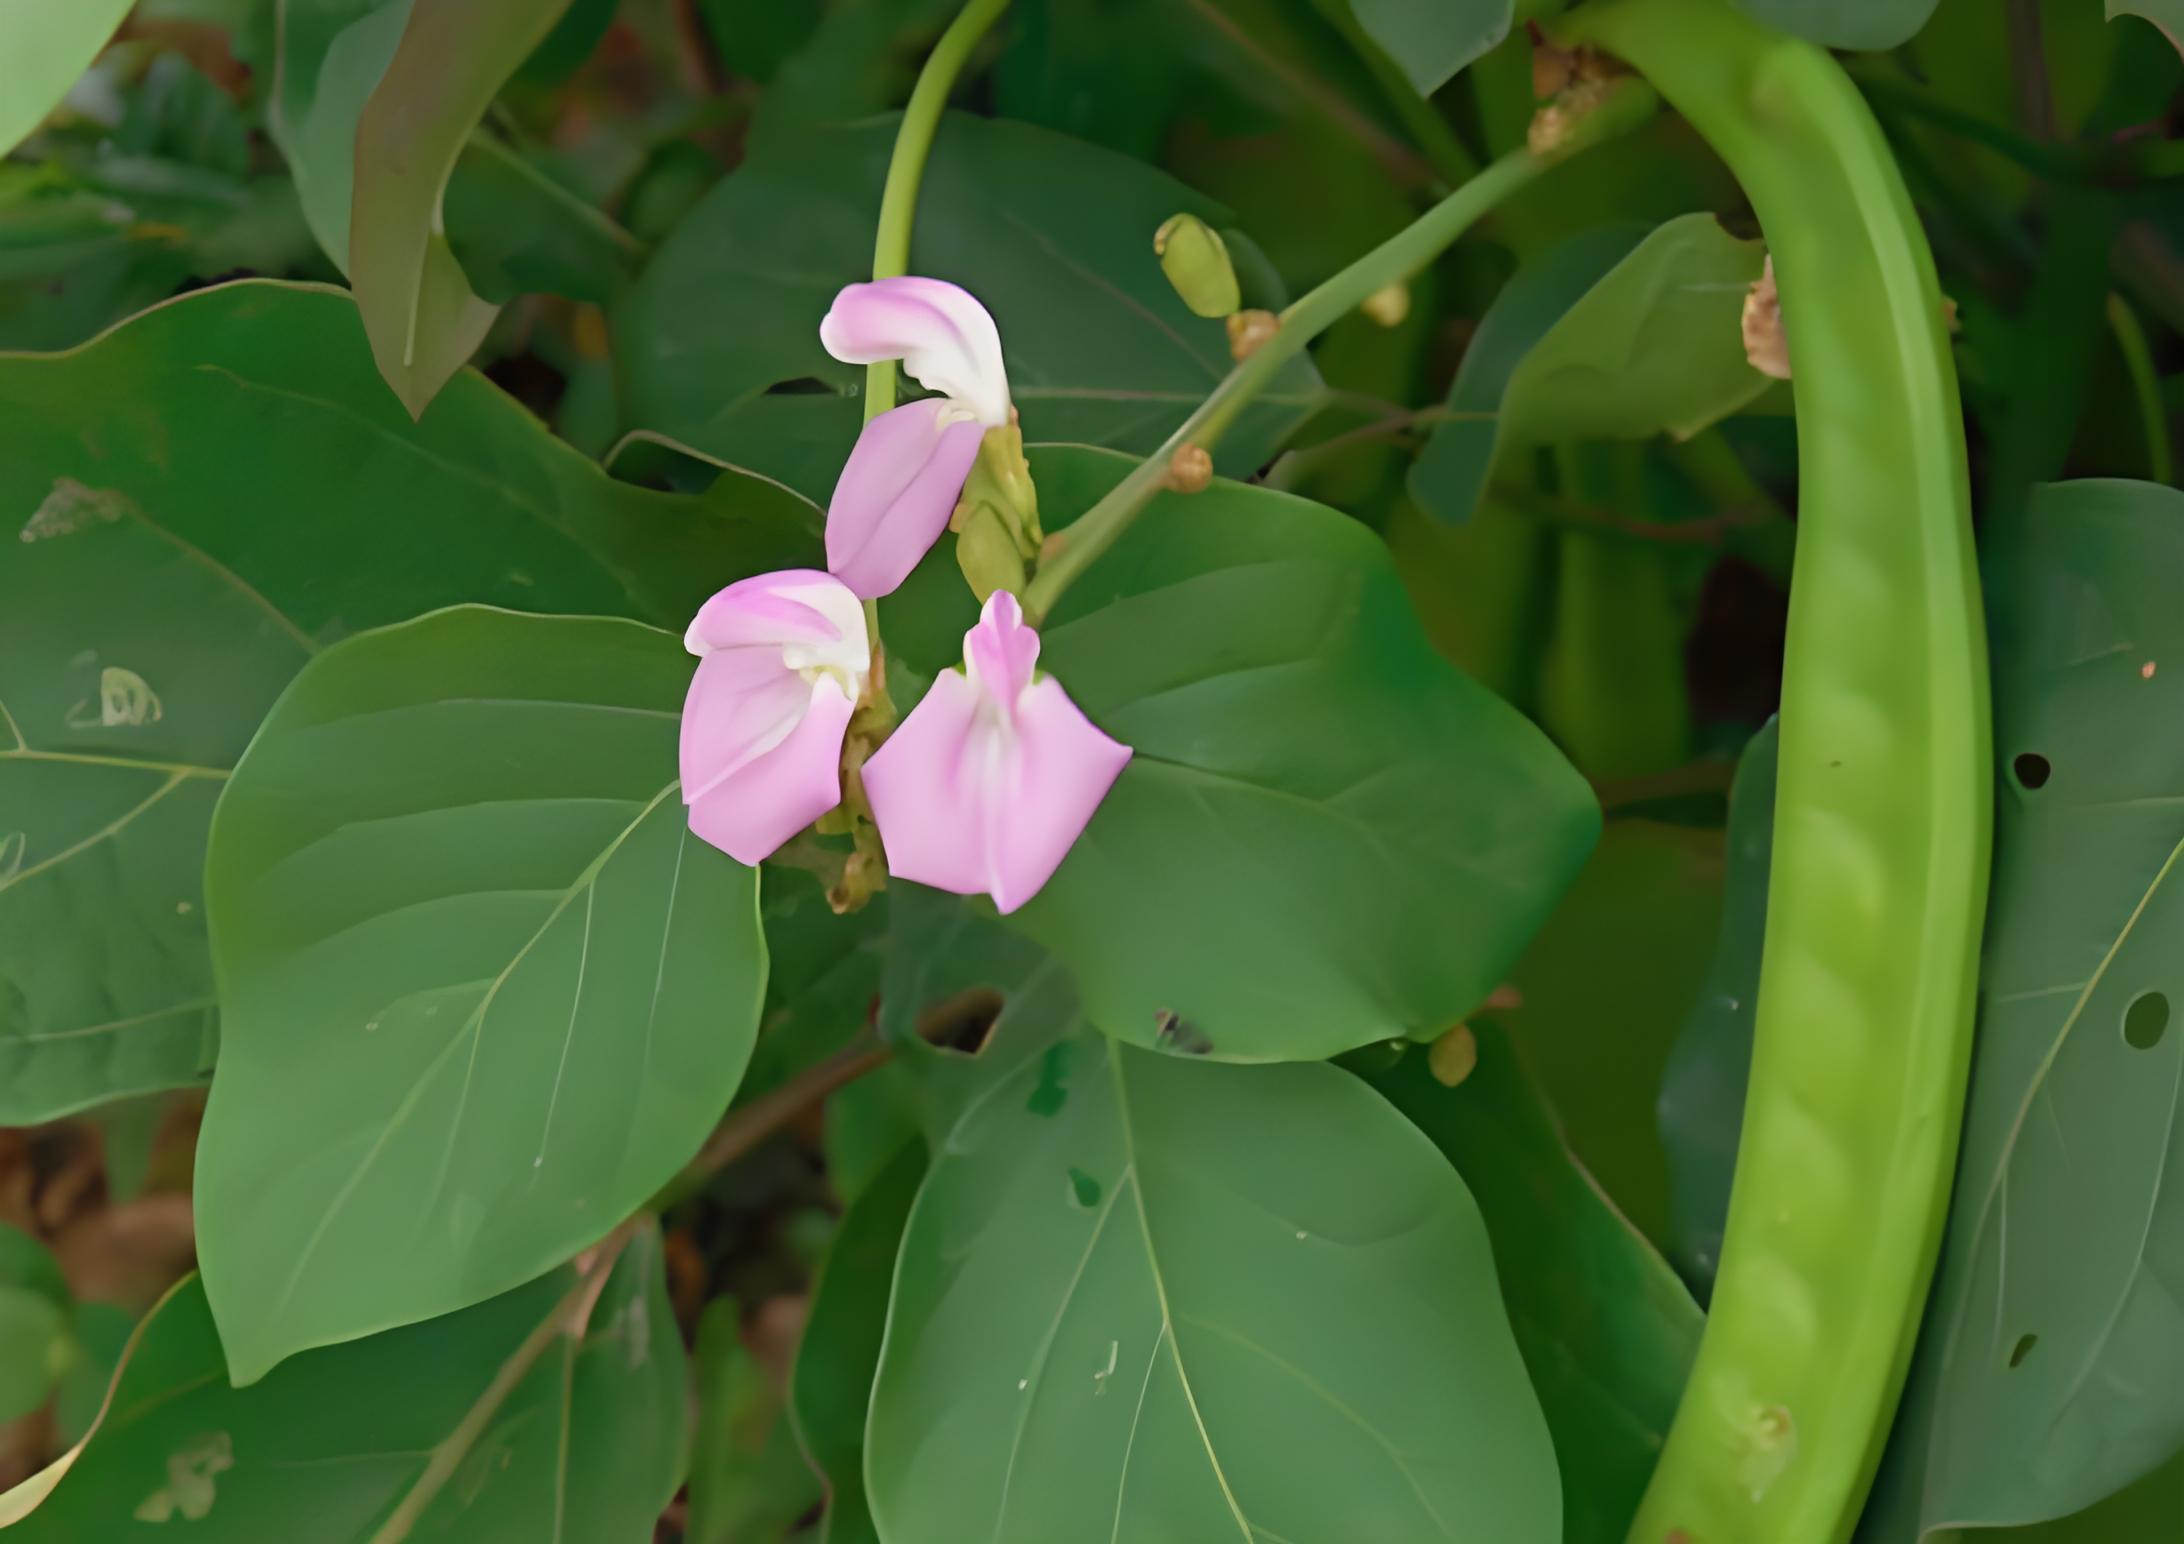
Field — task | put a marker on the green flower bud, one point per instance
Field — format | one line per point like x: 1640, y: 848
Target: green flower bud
x: 1196, y: 261
x: 986, y: 552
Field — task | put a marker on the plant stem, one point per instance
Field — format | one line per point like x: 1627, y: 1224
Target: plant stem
x: 906, y: 168
x: 1401, y: 255
x: 2138, y: 363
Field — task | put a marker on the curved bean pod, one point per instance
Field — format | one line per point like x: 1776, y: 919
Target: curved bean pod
x: 1883, y: 817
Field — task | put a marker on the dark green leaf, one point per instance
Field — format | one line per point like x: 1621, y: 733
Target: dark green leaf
x: 2051, y: 1371
x: 748, y: 1482
x: 1605, y: 337
x: 1132, y: 1303
x: 419, y: 309
x: 1869, y: 24
x: 1431, y: 42
x: 1702, y: 1092
x: 166, y: 589
x: 2168, y: 15
x: 1099, y: 348
x: 34, y: 1310
x: 830, y: 1391
x: 492, y: 1424
x: 484, y: 993
x: 1606, y: 1329
x: 1326, y: 835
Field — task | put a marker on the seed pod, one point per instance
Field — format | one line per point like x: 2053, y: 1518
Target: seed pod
x: 1196, y: 261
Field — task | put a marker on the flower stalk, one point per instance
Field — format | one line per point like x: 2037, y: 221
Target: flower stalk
x: 906, y: 167
x: 1394, y: 260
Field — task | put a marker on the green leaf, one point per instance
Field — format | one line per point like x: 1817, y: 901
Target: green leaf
x: 165, y: 591
x: 1702, y: 1092
x: 1431, y: 42
x: 1326, y: 836
x: 496, y: 1423
x: 1144, y: 1296
x: 830, y: 1390
x: 484, y: 992
x: 1863, y: 24
x: 43, y: 48
x: 2168, y: 15
x: 35, y: 1304
x: 1606, y: 1329
x: 748, y: 1482
x: 1605, y: 987
x: 419, y: 310
x: 1606, y: 336
x: 2051, y: 1372
x: 98, y: 1336
x: 1099, y: 348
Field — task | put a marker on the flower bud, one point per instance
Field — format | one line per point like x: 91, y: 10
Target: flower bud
x: 1388, y: 305
x: 1196, y: 261
x: 1249, y: 331
x: 987, y: 552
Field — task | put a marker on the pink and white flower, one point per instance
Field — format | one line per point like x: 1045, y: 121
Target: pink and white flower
x: 782, y: 662
x: 994, y: 775
x: 908, y: 468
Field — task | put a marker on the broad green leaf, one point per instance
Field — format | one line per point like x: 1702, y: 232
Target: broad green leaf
x: 1601, y: 338
x: 1702, y: 1091
x: 2168, y: 15
x: 1099, y: 348
x: 1863, y: 24
x: 748, y: 1482
x: 419, y: 309
x: 1606, y: 1329
x: 98, y: 1335
x: 163, y: 591
x: 830, y: 1390
x: 484, y: 993
x: 507, y: 1421
x: 2051, y: 1371
x: 1430, y: 42
x: 43, y: 48
x: 1605, y: 987
x: 1326, y: 836
x: 35, y: 1304
x: 1145, y: 1297
x: 822, y: 976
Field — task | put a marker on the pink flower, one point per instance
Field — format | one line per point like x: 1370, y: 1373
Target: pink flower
x: 903, y: 478
x: 992, y: 778
x: 782, y: 660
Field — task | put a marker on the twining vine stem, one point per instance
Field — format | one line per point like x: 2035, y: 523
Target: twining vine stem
x: 906, y: 167
x: 1389, y: 263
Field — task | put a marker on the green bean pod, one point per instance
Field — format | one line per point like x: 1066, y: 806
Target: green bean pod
x: 1882, y: 813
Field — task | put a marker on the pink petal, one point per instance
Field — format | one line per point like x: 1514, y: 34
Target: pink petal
x: 741, y: 704
x: 896, y: 492
x: 795, y: 605
x: 750, y: 812
x: 1065, y: 766
x: 939, y: 331
x: 968, y: 802
x: 1000, y: 653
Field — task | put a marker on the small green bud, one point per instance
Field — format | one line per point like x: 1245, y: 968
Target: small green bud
x: 1001, y: 479
x: 1196, y: 261
x: 986, y: 552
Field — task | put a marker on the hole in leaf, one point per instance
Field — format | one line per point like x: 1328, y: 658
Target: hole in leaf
x: 2145, y: 1021
x: 2022, y: 1349
x: 2032, y: 770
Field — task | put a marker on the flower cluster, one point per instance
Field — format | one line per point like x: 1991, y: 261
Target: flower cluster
x: 994, y: 775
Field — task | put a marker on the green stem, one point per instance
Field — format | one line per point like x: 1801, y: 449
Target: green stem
x: 1401, y: 255
x: 2138, y: 362
x: 906, y: 168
